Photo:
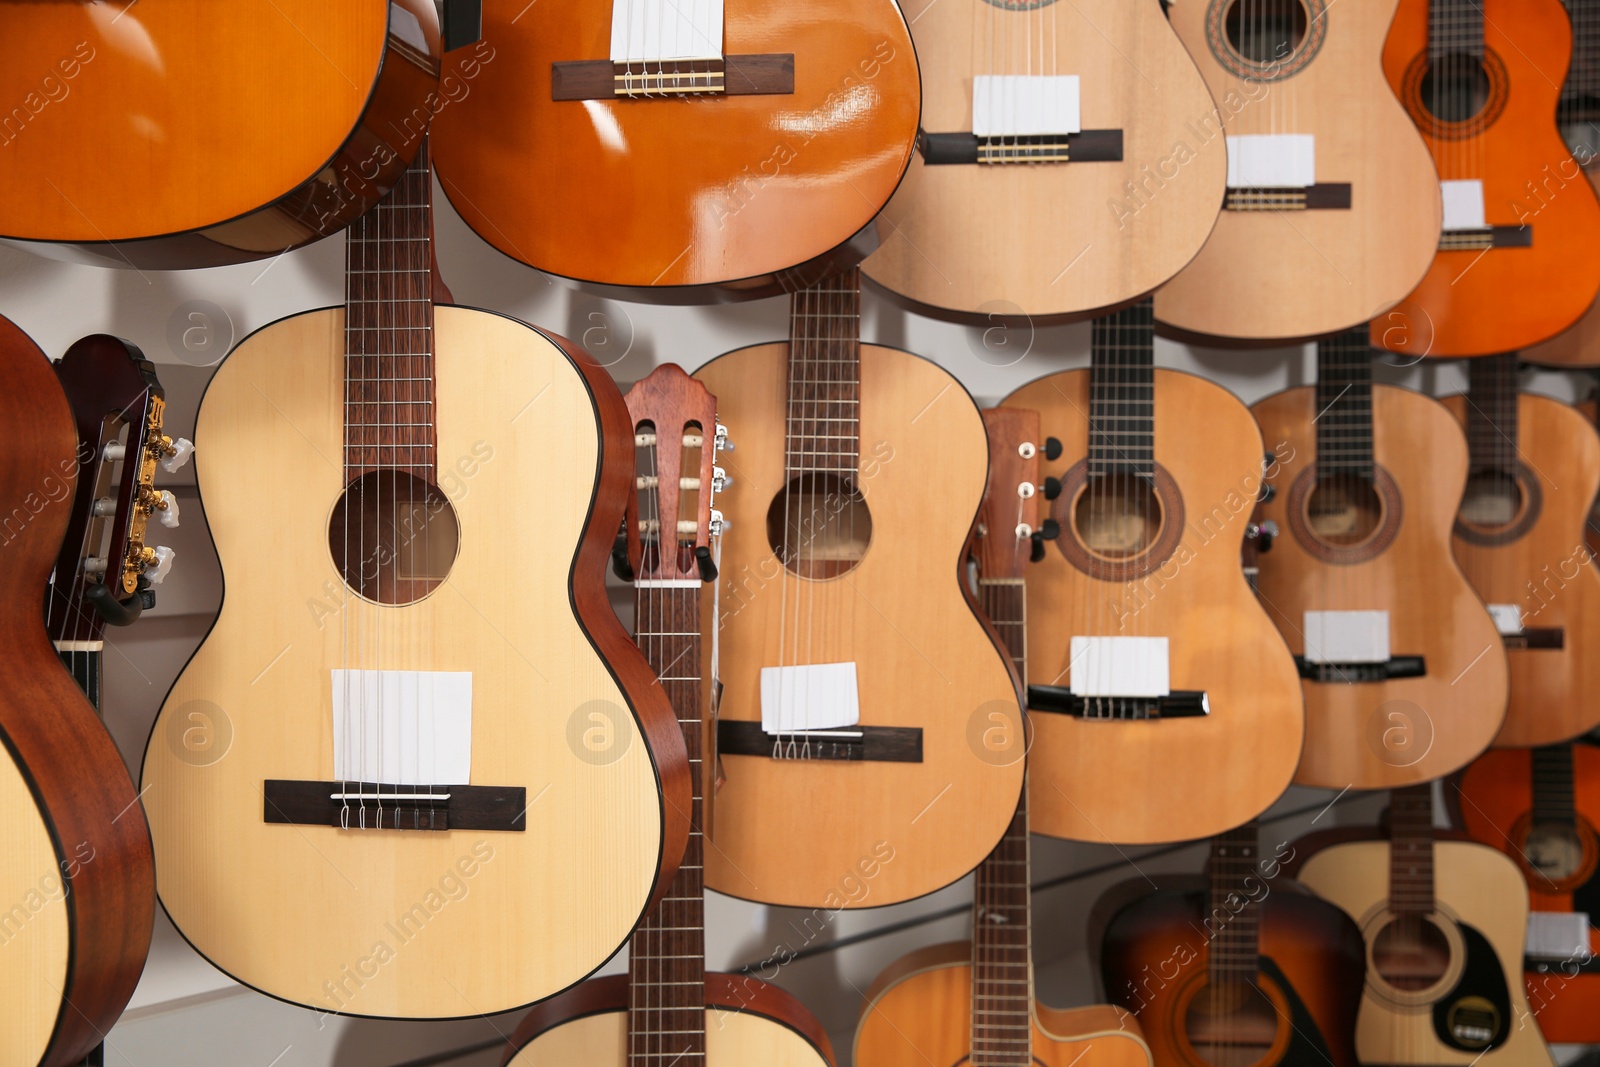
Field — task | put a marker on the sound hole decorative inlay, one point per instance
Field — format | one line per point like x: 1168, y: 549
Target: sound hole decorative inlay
x: 1118, y: 527
x: 819, y: 526
x: 1499, y: 507
x: 393, y: 536
x: 1266, y: 40
x: 1344, y: 518
x: 1457, y: 95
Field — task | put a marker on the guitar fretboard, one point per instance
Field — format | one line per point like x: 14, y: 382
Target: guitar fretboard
x: 1455, y: 27
x: 389, y: 416
x: 1492, y: 413
x: 1122, y: 392
x: 1411, y: 850
x: 1236, y: 941
x: 1344, y: 405
x: 1553, y: 802
x: 822, y: 424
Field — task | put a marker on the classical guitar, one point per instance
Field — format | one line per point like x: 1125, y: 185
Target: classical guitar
x: 1152, y: 662
x: 1519, y: 536
x: 77, y: 878
x: 1404, y: 672
x: 1444, y: 923
x: 1481, y: 79
x: 972, y: 1002
x: 667, y: 1009
x: 241, y: 132
x: 856, y: 669
x: 450, y: 785
x: 649, y: 147
x: 1540, y: 806
x: 1252, y: 970
x: 1070, y: 159
x: 1332, y: 211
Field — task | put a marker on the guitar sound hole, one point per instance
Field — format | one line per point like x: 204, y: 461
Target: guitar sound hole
x: 1344, y: 509
x: 1266, y: 31
x: 819, y: 526
x: 1231, y: 1024
x: 1492, y: 499
x: 1117, y: 516
x: 394, y: 537
x: 1411, y: 953
x: 1455, y: 87
x: 1554, y: 851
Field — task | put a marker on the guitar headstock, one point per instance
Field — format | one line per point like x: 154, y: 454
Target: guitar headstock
x: 105, y: 565
x: 1010, y: 530
x: 671, y: 518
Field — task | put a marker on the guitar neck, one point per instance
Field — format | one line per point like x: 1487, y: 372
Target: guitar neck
x: 1455, y: 27
x: 1122, y: 392
x: 1344, y: 405
x: 822, y: 427
x: 1492, y: 413
x: 389, y: 381
x: 1553, y: 801
x: 1411, y: 850
x: 1236, y: 945
x: 666, y: 956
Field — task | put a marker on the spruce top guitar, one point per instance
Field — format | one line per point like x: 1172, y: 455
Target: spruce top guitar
x: 653, y: 148
x: 1404, y: 672
x: 1152, y: 662
x: 1070, y: 159
x: 972, y: 1002
x: 668, y: 1009
x: 240, y: 132
x: 1332, y: 209
x: 426, y: 693
x: 1481, y: 80
x: 1540, y: 807
x: 857, y: 673
x: 77, y: 878
x: 1535, y: 470
x: 1444, y: 924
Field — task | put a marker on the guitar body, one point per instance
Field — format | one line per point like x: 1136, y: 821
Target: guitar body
x: 1379, y: 734
x: 534, y: 457
x: 1266, y: 276
x: 239, y: 134
x: 1497, y: 810
x: 642, y: 198
x: 77, y: 879
x: 1482, y: 917
x: 919, y: 1011
x: 747, y: 1022
x: 1579, y: 344
x: 838, y: 833
x: 974, y: 240
x: 1471, y: 302
x: 1157, y: 954
x: 1191, y: 590
x: 1542, y: 549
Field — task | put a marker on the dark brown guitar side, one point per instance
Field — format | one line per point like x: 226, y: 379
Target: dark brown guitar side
x: 83, y: 794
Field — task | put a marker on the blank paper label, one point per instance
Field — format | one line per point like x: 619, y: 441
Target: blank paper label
x: 1119, y: 667
x: 1024, y: 105
x: 1558, y: 935
x: 650, y: 30
x: 818, y: 696
x: 402, y: 727
x: 1272, y: 161
x: 1463, y: 204
x: 1507, y: 618
x: 1347, y: 636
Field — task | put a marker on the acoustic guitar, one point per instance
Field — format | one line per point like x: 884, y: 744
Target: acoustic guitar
x: 667, y: 1008
x: 1519, y: 536
x: 1481, y: 80
x: 1252, y: 970
x: 857, y: 672
x: 78, y: 882
x: 1538, y: 806
x: 1070, y: 160
x: 972, y: 1002
x: 1332, y: 211
x: 650, y: 148
x: 1444, y: 923
x: 450, y: 785
x: 1404, y: 673
x: 1152, y: 662
x: 239, y: 133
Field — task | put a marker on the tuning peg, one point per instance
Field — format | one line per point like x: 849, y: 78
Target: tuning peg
x: 167, y: 505
x: 1268, y: 493
x: 146, y: 594
x: 1050, y: 529
x: 177, y: 453
x: 619, y: 558
x: 720, y: 442
x: 1052, y: 448
x: 707, y: 565
x: 719, y: 480
x: 157, y: 570
x: 1263, y: 534
x: 718, y: 524
x: 1036, y: 553
x: 1052, y: 488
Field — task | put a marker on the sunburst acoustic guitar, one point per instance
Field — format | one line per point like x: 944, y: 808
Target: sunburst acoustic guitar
x: 452, y: 786
x: 240, y: 132
x: 1070, y: 159
x: 1151, y: 661
x: 856, y: 671
x: 1404, y: 672
x: 1332, y: 210
x: 971, y: 1003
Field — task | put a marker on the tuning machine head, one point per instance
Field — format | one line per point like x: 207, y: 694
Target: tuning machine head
x: 174, y: 453
x: 720, y: 441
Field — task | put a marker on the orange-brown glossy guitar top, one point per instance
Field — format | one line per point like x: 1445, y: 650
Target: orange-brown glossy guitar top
x: 1525, y: 272
x: 654, y: 193
x: 188, y: 134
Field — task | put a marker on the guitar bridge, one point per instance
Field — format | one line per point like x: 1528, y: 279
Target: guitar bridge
x: 758, y: 74
x: 1088, y: 146
x: 381, y: 806
x: 873, y: 744
x: 1485, y: 237
x: 1394, y: 667
x: 1537, y: 637
x: 1326, y: 196
x: 1179, y: 704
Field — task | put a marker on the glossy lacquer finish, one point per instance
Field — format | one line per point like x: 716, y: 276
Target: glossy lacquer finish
x: 189, y: 134
x: 651, y: 195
